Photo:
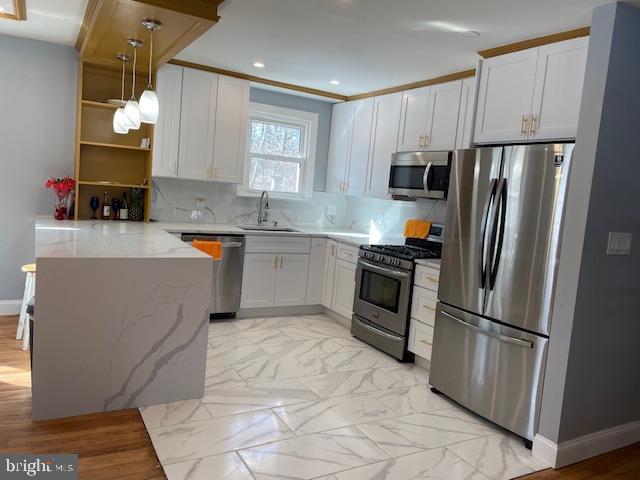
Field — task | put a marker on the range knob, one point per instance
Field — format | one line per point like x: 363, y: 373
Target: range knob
x: 396, y: 262
x: 380, y: 258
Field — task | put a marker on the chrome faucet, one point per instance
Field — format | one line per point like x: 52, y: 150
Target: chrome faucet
x: 263, y: 208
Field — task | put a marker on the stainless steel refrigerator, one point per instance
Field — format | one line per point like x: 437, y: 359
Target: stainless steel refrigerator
x: 504, y: 216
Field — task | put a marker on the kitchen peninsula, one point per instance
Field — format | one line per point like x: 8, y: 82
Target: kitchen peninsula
x: 122, y: 317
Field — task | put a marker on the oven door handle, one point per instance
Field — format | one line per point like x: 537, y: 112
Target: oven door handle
x: 382, y: 270
x: 379, y: 332
x: 425, y: 177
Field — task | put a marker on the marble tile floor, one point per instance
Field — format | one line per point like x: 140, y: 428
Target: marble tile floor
x: 298, y: 398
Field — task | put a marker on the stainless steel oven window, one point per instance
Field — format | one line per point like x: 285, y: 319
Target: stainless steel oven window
x: 380, y: 290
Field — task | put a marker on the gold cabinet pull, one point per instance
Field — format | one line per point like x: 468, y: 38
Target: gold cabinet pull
x: 420, y: 141
x: 275, y: 262
x: 429, y: 308
x: 281, y: 258
x: 433, y: 279
x: 425, y: 342
x: 532, y: 128
x: 426, y: 140
x: 523, y: 125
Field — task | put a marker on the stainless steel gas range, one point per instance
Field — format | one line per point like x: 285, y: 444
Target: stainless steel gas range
x: 382, y: 299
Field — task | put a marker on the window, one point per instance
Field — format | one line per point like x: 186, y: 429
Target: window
x: 281, y: 151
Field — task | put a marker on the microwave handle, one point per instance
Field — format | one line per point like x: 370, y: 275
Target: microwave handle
x: 425, y: 177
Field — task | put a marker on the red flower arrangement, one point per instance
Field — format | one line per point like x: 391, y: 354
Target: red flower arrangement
x: 62, y: 187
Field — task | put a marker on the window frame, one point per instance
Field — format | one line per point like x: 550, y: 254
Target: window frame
x: 295, y: 118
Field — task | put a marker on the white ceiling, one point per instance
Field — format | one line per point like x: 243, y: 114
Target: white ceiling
x: 56, y: 21
x: 366, y: 44
x: 372, y: 44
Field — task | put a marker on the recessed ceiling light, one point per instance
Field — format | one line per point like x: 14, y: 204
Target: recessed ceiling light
x: 470, y: 34
x: 258, y: 64
x: 335, y: 82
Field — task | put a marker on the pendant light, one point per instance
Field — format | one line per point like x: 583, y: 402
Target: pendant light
x: 132, y: 109
x: 149, y: 107
x: 120, y: 124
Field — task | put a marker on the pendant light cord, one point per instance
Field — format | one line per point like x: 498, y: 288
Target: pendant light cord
x: 149, y: 86
x: 122, y: 85
x: 133, y: 84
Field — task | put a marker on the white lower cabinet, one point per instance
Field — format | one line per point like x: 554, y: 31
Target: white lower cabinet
x: 315, y: 282
x: 344, y: 286
x: 291, y: 280
x: 274, y: 280
x: 258, y: 280
x: 329, y: 272
x: 423, y: 309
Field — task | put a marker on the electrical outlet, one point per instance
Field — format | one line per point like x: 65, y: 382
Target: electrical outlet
x: 619, y: 243
x: 200, y: 202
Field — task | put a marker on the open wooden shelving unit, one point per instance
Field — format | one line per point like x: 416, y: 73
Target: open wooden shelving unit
x: 104, y: 160
x: 107, y: 161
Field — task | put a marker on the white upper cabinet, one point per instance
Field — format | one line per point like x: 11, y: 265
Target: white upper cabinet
x: 339, y: 146
x: 197, y: 124
x: 356, y: 177
x: 558, y: 89
x: 230, y: 140
x: 166, y: 136
x: 465, y: 117
x: 384, y: 139
x: 413, y: 119
x: 442, y: 116
x: 504, y: 97
x: 531, y: 95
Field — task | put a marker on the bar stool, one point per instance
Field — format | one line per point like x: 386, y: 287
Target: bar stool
x: 29, y: 291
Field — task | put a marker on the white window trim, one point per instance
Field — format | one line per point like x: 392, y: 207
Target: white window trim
x: 286, y: 115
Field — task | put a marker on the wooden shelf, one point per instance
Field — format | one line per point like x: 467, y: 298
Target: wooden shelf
x: 106, y: 106
x: 113, y: 184
x: 114, y: 145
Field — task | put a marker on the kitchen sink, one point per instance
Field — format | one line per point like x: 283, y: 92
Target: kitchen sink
x: 268, y: 229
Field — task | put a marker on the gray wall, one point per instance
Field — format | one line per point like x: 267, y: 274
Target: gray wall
x: 592, y: 381
x: 323, y: 109
x: 37, y: 131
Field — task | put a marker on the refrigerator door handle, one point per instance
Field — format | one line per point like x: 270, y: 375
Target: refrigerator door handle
x: 498, y: 231
x: 482, y: 261
x: 488, y: 333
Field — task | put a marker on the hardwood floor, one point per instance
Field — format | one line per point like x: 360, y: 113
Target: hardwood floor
x: 116, y: 445
x: 110, y: 445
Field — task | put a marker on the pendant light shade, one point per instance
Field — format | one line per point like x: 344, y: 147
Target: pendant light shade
x: 132, y: 114
x: 120, y: 124
x: 132, y: 109
x: 149, y: 106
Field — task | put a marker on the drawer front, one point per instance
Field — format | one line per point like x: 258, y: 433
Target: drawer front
x: 427, y: 277
x: 423, y: 305
x: 420, y: 339
x: 348, y: 253
x: 277, y: 244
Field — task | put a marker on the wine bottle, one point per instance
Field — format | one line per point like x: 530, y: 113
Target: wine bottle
x: 106, y: 207
x: 124, y: 207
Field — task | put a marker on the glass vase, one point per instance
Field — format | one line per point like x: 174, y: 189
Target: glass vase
x: 61, y: 207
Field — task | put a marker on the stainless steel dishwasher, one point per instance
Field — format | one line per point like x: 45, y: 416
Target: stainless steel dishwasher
x: 227, y: 272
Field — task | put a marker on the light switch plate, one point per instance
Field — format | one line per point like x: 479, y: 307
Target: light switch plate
x: 619, y: 243
x: 200, y: 201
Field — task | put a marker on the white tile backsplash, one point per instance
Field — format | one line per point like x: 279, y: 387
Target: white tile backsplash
x: 174, y: 199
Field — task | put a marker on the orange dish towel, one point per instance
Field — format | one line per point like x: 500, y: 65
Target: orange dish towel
x: 213, y: 249
x: 414, y: 228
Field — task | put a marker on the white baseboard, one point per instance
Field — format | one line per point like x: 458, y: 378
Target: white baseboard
x: 10, y: 307
x: 587, y: 446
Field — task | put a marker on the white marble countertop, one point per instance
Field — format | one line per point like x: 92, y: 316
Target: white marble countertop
x: 112, y: 239
x: 345, y: 236
x: 102, y: 239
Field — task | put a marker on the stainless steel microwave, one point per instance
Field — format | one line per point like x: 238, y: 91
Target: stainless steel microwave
x: 420, y: 175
